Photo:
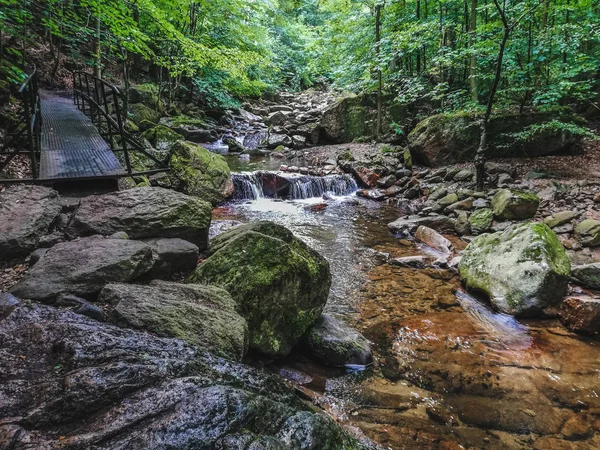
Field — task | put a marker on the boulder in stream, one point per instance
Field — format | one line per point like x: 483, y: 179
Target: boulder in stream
x: 83, y: 267
x: 279, y: 283
x: 335, y: 343
x: 144, y: 212
x: 26, y: 213
x: 523, y: 269
x: 103, y: 387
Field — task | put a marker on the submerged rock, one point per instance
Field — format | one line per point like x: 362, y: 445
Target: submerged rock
x: 26, y: 213
x: 335, y: 343
x: 523, y: 269
x: 144, y: 212
x: 106, y: 387
x: 581, y: 314
x: 279, y: 283
x: 201, y: 315
x: 514, y: 205
x: 83, y: 267
x: 199, y: 172
x: 588, y: 232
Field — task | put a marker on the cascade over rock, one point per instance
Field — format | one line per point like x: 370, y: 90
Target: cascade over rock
x: 522, y: 270
x: 279, y: 283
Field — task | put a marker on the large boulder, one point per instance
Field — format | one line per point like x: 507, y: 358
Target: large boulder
x: 279, y: 283
x: 162, y: 138
x: 83, y: 267
x: 198, y: 172
x: 68, y: 382
x: 347, y: 119
x: 335, y: 343
x: 514, y: 205
x: 449, y: 138
x: 588, y: 232
x: 26, y: 213
x: 201, y: 315
x: 142, y: 213
x: 142, y: 115
x: 146, y: 93
x: 523, y: 269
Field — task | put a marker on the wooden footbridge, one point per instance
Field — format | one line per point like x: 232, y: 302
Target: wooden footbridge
x: 73, y: 136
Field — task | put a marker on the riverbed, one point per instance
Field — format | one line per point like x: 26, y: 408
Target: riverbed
x: 449, y: 372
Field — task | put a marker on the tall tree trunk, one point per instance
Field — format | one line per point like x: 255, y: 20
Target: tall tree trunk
x: 419, y: 49
x: 98, y: 50
x: 378, y: 8
x: 473, y: 61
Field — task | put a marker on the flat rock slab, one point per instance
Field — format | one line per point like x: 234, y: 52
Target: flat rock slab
x: 201, y: 315
x: 103, y: 387
x: 143, y: 213
x: 83, y: 267
x: 26, y: 213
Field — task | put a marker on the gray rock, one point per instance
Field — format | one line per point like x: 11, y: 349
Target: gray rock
x: 218, y: 227
x: 106, y: 387
x: 50, y: 240
x: 588, y: 232
x: 588, y: 275
x: 406, y: 226
x: 505, y: 179
x: 481, y: 220
x: 204, y: 316
x: 143, y: 213
x: 36, y: 255
x: 514, y: 205
x: 275, y: 140
x: 523, y: 269
x: 81, y: 306
x: 560, y: 218
x: 119, y: 235
x: 335, y: 343
x: 83, y: 267
x: 26, y: 213
x: 462, y: 225
x: 480, y: 203
x: 464, y: 175
x: 172, y: 256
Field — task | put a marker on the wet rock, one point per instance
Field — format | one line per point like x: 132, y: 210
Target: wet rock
x: 577, y: 428
x: 204, y: 316
x: 172, y: 256
x: 218, y: 227
x: 514, y: 205
x: 26, y: 213
x: 481, y: 221
x: 198, y: 172
x: 279, y: 283
x: 560, y: 218
x: 588, y: 232
x: 523, y: 269
x: 83, y: 267
x: 80, y: 306
x: 409, y: 225
x: 143, y: 213
x: 276, y: 118
x: 412, y: 262
x: 581, y: 314
x: 335, y: 343
x: 433, y: 239
x: 386, y: 181
x: 588, y: 275
x: 275, y: 140
x: 110, y: 388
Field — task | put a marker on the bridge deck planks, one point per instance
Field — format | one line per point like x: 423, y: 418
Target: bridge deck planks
x: 72, y: 147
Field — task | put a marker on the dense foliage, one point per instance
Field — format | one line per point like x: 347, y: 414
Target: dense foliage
x: 441, y: 51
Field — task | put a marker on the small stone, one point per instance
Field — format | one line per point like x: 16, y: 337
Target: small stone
x: 462, y: 225
x: 504, y: 179
x: 480, y: 203
x: 386, y: 181
x: 463, y: 205
x: 81, y: 305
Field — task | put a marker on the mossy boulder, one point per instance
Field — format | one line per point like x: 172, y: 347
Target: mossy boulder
x: 481, y: 221
x: 204, y: 316
x: 279, y: 283
x: 143, y: 116
x: 514, y: 205
x: 161, y: 138
x: 198, y: 172
x: 522, y: 270
x: 349, y: 118
x: 146, y: 93
x: 193, y: 129
x: 588, y: 232
x: 449, y: 138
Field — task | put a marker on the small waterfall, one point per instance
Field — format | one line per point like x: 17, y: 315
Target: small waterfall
x: 247, y: 186
x: 303, y: 187
x: 254, y: 185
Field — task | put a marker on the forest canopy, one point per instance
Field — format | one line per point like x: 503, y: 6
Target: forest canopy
x: 443, y: 51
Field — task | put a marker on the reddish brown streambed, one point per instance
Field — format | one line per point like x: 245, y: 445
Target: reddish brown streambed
x: 449, y: 373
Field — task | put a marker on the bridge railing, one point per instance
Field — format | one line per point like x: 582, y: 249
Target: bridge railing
x: 24, y: 136
x: 102, y: 103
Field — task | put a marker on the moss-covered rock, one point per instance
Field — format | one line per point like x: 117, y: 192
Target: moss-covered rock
x: 560, y: 218
x: 450, y: 138
x: 279, y: 283
x: 514, y: 205
x: 588, y: 232
x: 348, y: 119
x: 204, y: 316
x: 481, y: 221
x: 523, y: 269
x: 193, y: 129
x: 143, y: 116
x: 146, y: 93
x: 162, y: 138
x: 588, y: 275
x: 198, y: 172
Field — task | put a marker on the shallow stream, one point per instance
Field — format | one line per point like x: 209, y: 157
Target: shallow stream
x: 449, y: 372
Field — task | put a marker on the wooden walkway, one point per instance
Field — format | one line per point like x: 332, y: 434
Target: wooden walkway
x: 72, y: 147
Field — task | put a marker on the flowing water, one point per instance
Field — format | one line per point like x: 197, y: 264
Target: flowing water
x: 449, y: 372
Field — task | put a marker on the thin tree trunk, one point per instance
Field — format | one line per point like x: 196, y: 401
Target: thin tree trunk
x: 98, y: 51
x: 378, y: 8
x: 473, y: 61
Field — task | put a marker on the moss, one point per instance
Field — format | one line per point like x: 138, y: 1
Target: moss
x: 345, y: 156
x: 140, y: 113
x: 177, y: 121
x: 408, y: 162
x: 481, y: 220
